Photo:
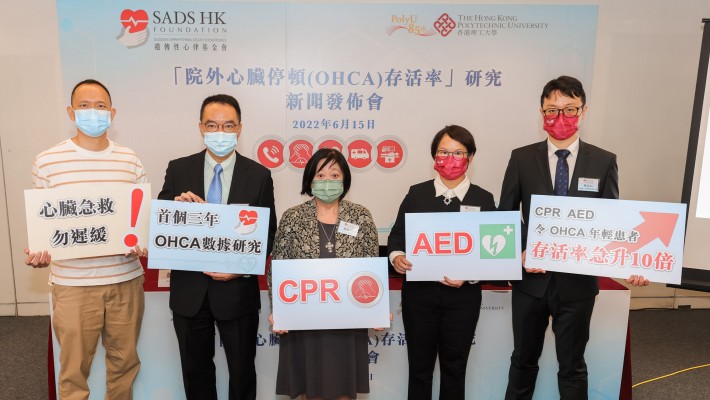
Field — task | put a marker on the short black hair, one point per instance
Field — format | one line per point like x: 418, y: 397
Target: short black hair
x: 459, y: 134
x: 567, y: 85
x: 222, y: 99
x: 329, y: 155
x: 88, y: 82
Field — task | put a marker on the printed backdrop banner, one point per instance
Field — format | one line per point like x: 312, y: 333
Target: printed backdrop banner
x: 604, y: 237
x: 375, y: 81
x: 87, y: 220
x: 208, y: 237
x: 332, y: 293
x: 160, y: 376
x: 463, y: 245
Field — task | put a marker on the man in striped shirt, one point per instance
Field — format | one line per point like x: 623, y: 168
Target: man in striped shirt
x: 96, y: 295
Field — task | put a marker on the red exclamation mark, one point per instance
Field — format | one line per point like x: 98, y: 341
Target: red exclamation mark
x: 136, y: 199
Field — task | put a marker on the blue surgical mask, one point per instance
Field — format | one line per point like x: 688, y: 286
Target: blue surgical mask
x: 220, y: 143
x: 92, y: 122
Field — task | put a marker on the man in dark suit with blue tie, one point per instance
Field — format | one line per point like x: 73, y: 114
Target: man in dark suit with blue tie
x: 559, y: 166
x: 199, y: 300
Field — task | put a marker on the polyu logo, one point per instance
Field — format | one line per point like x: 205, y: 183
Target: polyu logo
x: 444, y: 25
x: 133, y: 30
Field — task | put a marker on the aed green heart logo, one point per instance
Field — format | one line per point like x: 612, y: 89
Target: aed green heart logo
x: 497, y: 241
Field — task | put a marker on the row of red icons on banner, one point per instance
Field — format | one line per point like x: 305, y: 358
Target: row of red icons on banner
x: 387, y: 154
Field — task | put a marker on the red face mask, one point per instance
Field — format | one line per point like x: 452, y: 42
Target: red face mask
x: 560, y: 128
x: 449, y: 167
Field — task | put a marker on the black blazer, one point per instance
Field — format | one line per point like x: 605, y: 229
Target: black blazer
x: 421, y: 199
x: 251, y: 184
x: 528, y: 173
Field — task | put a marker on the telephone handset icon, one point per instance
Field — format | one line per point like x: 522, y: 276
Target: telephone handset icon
x: 268, y: 153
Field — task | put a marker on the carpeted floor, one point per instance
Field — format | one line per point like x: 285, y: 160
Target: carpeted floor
x: 662, y: 342
x: 23, y: 358
x: 666, y: 341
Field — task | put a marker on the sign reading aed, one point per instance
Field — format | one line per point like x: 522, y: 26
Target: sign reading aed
x: 463, y: 245
x: 443, y: 243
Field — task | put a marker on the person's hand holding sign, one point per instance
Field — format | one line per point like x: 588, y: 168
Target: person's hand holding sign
x: 138, y: 251
x: 189, y: 197
x: 271, y: 322
x: 382, y: 329
x: 401, y: 264
x: 452, y: 282
x: 40, y: 259
x: 637, y: 280
x: 531, y: 270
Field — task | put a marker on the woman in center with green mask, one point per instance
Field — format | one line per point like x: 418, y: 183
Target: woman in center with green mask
x: 324, y: 364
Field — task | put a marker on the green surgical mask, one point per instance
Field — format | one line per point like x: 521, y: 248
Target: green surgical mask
x: 327, y: 190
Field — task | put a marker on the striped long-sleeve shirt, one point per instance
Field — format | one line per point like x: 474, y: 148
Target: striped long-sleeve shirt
x: 68, y: 164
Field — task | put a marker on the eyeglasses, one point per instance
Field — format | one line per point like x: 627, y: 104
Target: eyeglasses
x: 568, y: 112
x: 229, y: 127
x: 458, y: 154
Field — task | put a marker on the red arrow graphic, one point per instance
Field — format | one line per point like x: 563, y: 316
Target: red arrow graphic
x: 655, y: 226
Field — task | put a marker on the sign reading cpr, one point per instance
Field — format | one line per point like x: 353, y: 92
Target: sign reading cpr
x: 208, y: 237
x: 87, y: 221
x: 604, y: 237
x: 463, y: 245
x: 333, y: 293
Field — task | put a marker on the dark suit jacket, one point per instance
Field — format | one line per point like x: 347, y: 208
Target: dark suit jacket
x: 528, y: 173
x: 251, y: 184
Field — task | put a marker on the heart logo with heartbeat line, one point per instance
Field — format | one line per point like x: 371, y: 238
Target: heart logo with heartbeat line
x: 135, y: 21
x: 248, y: 217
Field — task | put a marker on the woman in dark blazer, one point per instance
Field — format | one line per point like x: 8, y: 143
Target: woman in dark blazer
x: 440, y: 317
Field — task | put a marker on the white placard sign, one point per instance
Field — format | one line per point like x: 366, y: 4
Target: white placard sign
x: 87, y: 220
x: 333, y: 293
x: 464, y: 245
x: 226, y: 238
x: 605, y: 237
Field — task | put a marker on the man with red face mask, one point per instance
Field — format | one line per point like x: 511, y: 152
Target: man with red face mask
x: 555, y: 166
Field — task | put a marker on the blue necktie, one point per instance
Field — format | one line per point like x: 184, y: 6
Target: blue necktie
x: 562, y: 173
x: 214, y: 195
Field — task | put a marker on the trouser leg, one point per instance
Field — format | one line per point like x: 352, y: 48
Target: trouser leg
x: 125, y: 303
x: 78, y: 317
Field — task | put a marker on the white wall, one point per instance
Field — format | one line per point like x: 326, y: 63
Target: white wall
x: 7, y: 282
x: 31, y: 120
x: 646, y: 65
x: 640, y: 106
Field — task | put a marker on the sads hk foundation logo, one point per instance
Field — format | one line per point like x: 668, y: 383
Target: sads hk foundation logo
x: 134, y: 32
x: 174, y: 29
